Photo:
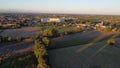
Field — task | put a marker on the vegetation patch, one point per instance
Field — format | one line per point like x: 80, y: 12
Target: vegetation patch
x: 24, y: 60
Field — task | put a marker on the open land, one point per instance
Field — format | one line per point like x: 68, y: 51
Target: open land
x: 95, y: 54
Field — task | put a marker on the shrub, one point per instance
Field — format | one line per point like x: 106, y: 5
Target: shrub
x: 9, y: 39
x: 49, y: 32
x: 18, y: 38
x: 111, y: 41
x: 76, y: 29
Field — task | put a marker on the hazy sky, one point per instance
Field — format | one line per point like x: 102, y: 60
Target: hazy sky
x: 64, y: 6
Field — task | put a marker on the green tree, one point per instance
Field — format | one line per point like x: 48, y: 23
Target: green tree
x: 39, y: 49
x: 40, y: 52
x: 45, y: 40
x: 49, y: 32
x: 42, y: 63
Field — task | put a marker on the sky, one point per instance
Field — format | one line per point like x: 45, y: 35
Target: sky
x: 111, y: 7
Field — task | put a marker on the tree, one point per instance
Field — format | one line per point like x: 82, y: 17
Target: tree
x: 40, y: 52
x: 45, y: 40
x: 39, y: 49
x: 55, y: 32
x: 49, y: 32
x: 42, y: 63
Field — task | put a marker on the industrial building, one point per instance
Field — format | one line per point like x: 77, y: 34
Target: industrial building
x: 45, y: 20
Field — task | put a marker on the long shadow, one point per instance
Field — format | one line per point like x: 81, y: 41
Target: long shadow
x: 93, y: 42
x: 104, y: 46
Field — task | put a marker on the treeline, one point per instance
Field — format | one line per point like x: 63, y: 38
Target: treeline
x: 41, y: 54
x: 42, y: 43
x: 40, y: 51
x: 57, y: 31
x: 10, y: 39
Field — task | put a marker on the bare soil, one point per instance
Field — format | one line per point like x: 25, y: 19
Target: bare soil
x: 21, y: 32
x: 117, y: 42
x: 20, y: 47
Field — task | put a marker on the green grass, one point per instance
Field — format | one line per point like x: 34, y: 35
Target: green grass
x: 25, y: 60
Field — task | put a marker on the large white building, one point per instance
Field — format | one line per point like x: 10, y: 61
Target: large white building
x: 52, y: 20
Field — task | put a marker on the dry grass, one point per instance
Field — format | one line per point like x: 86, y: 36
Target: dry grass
x: 71, y: 58
x: 20, y: 47
x: 96, y: 54
x: 22, y: 32
x: 79, y: 39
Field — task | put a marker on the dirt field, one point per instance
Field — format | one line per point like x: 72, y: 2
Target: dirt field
x: 22, y: 32
x: 17, y: 47
x: 79, y: 39
x: 96, y: 56
x: 20, y: 47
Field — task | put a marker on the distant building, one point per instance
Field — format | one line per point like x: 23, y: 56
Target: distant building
x: 52, y: 20
x: 100, y: 25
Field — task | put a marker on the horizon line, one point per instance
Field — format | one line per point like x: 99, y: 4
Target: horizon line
x: 57, y: 13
